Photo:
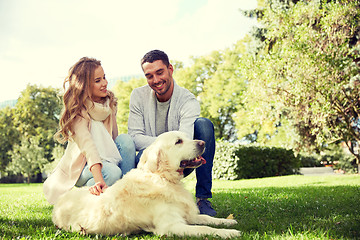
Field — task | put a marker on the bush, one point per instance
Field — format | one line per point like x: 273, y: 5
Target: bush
x: 346, y: 165
x: 234, y: 161
x: 225, y: 161
x: 310, y: 160
x: 334, y: 156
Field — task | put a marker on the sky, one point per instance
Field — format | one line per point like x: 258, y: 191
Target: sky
x: 41, y: 39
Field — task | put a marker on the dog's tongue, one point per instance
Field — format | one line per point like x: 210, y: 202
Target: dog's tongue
x: 200, y: 158
x: 193, y: 163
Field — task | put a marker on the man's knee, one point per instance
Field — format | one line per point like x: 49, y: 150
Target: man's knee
x: 203, y: 129
x: 204, y: 122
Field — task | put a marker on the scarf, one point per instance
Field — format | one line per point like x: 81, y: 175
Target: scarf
x: 101, y: 112
x: 98, y: 111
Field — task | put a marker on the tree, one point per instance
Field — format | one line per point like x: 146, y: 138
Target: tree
x: 216, y: 81
x: 57, y: 153
x: 36, y: 113
x: 309, y: 70
x: 8, y: 136
x: 122, y: 91
x: 258, y: 115
x: 28, y: 158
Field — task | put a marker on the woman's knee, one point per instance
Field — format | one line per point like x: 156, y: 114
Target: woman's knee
x: 125, y: 142
x: 111, y: 174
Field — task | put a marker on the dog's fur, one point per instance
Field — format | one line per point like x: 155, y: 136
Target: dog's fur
x: 150, y: 197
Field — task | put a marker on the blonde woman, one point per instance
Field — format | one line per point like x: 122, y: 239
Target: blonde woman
x: 88, y: 125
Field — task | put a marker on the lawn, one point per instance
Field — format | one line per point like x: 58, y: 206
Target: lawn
x: 290, y: 207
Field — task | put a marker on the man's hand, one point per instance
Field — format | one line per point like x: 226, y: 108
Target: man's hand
x: 98, y: 188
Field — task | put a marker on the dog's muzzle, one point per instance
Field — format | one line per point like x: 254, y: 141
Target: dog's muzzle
x: 194, y: 163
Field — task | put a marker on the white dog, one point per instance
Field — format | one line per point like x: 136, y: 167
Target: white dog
x: 150, y: 197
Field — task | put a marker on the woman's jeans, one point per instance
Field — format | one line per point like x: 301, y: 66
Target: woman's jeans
x: 203, y: 130
x: 111, y: 171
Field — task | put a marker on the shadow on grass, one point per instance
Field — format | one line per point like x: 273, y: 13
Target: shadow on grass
x: 332, y: 211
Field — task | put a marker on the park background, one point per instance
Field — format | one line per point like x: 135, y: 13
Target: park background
x: 281, y: 97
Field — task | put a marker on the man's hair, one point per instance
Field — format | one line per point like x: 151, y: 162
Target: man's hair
x: 155, y: 55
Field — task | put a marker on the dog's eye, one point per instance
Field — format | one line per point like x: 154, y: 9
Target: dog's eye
x: 179, y: 141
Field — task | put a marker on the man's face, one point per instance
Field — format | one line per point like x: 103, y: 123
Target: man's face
x: 159, y: 78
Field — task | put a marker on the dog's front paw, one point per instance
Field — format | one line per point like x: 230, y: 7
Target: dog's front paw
x: 230, y: 222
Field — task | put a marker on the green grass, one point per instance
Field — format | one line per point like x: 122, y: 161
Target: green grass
x: 291, y: 207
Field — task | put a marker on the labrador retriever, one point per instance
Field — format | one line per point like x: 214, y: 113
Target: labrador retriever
x: 150, y: 198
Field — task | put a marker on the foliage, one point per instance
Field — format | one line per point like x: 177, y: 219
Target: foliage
x: 334, y: 155
x: 216, y: 81
x: 346, y: 164
x: 122, y: 91
x: 309, y: 160
x: 226, y: 162
x: 32, y: 122
x: 291, y: 207
x: 8, y: 136
x: 57, y: 154
x: 308, y: 71
x: 234, y: 161
x: 27, y: 158
x: 36, y: 113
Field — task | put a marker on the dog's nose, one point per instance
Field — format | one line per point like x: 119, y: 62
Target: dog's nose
x: 201, y: 143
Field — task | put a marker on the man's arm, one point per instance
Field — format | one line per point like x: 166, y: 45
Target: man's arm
x: 188, y: 114
x: 136, y: 123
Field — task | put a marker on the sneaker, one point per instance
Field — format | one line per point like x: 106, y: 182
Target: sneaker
x: 205, y: 207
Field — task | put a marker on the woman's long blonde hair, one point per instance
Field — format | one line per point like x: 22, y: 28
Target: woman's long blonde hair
x: 79, y: 78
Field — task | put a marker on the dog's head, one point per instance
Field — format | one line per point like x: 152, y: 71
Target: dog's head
x: 171, y: 153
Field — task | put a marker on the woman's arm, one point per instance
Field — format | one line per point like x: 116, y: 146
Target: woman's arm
x: 100, y: 184
x: 82, y: 137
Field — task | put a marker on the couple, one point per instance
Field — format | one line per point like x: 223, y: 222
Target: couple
x: 88, y: 124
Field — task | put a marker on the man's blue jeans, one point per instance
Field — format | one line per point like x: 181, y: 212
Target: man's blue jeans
x: 203, y: 130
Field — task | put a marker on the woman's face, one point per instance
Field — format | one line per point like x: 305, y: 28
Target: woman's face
x: 98, y: 85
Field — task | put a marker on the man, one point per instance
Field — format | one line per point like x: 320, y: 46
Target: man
x: 163, y: 106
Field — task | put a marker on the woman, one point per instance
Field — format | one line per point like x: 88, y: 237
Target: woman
x: 88, y: 125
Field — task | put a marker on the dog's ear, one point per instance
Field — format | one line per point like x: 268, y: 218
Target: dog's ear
x: 151, y: 159
x: 148, y: 160
x: 143, y: 159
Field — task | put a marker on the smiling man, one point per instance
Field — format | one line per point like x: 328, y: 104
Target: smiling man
x: 159, y: 77
x: 162, y: 106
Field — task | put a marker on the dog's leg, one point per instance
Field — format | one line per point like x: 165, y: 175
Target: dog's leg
x: 208, y: 220
x: 173, y: 223
x: 181, y: 229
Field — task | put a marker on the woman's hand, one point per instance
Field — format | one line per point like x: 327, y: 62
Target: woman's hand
x: 98, y: 188
x: 100, y: 184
